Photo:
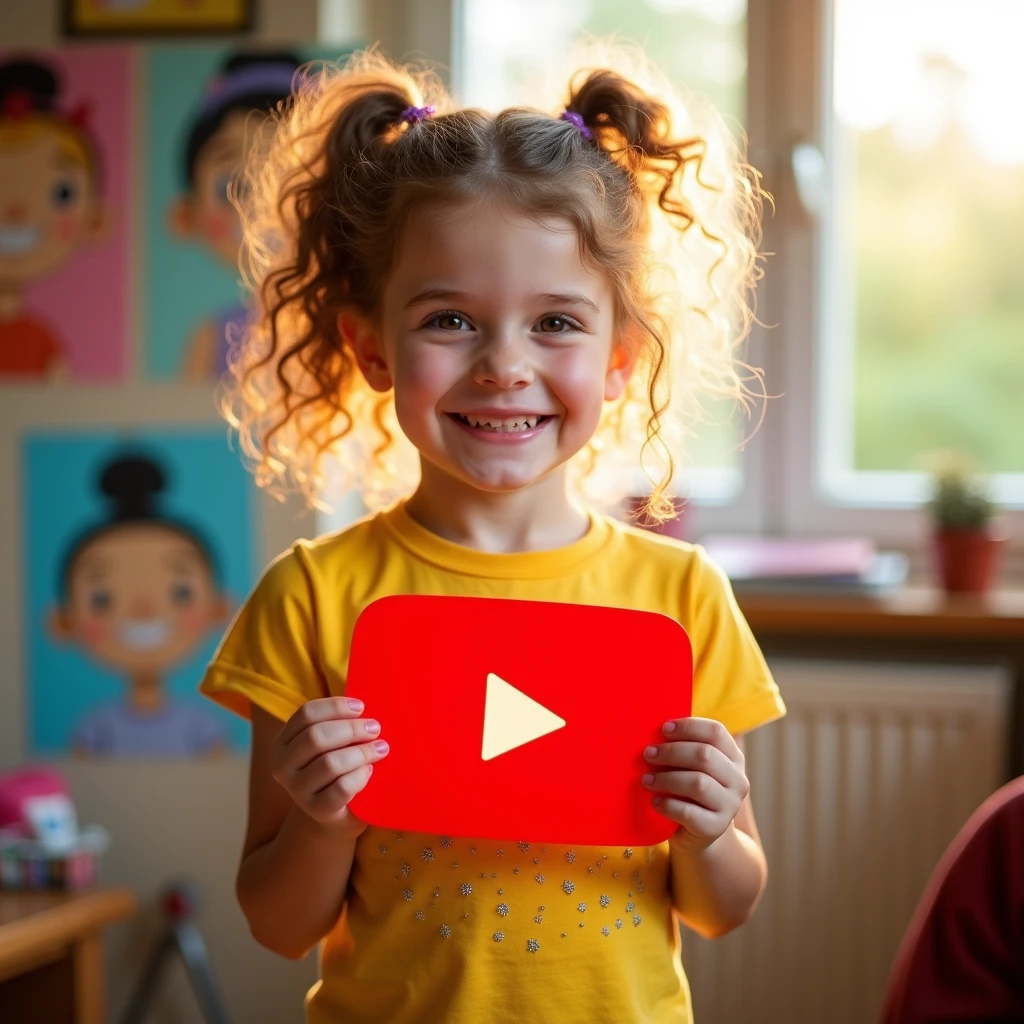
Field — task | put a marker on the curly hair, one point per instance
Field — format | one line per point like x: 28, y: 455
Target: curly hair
x: 656, y: 190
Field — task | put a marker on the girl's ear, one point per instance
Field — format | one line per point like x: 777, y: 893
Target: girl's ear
x: 60, y: 627
x: 182, y: 218
x: 221, y: 609
x: 620, y: 368
x: 364, y: 341
x: 100, y: 222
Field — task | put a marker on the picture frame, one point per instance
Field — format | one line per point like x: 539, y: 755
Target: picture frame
x: 168, y: 18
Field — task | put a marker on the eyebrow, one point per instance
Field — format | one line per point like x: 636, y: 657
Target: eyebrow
x: 184, y: 561
x: 94, y: 567
x: 453, y: 295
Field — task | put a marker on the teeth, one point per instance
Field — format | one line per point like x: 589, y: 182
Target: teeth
x: 144, y: 636
x: 503, y: 426
x: 16, y: 241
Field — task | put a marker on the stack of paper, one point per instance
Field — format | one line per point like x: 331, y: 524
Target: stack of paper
x: 839, y: 565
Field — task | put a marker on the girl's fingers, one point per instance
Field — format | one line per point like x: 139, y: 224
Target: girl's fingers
x: 333, y: 799
x: 698, y: 821
x: 701, y: 757
x: 321, y: 737
x: 323, y: 771
x: 704, y: 730
x: 697, y: 787
x: 322, y: 710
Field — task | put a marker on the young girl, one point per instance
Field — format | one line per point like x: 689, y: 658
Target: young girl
x: 519, y: 296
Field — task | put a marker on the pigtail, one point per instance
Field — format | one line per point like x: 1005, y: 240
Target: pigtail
x: 634, y: 129
x: 294, y: 389
x: 680, y: 157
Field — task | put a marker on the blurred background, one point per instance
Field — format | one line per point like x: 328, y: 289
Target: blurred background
x: 891, y: 332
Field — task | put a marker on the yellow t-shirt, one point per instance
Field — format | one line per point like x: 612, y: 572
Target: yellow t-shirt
x: 442, y: 929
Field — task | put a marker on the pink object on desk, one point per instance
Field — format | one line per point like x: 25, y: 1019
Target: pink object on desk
x: 18, y: 787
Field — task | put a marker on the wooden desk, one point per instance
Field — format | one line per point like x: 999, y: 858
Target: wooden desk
x: 917, y: 624
x: 51, y: 955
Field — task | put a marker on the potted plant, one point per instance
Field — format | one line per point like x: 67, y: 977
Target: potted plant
x: 966, y: 540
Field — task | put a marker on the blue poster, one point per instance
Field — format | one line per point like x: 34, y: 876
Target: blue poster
x: 205, y: 103
x: 138, y: 550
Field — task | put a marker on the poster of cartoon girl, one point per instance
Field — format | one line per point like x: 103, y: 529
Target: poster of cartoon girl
x: 132, y: 595
x: 195, y: 295
x: 63, y: 153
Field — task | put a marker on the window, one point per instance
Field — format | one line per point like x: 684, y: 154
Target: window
x: 922, y: 322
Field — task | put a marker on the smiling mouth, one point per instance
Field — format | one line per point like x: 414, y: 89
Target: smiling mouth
x: 515, y: 425
x: 16, y: 241
x: 144, y: 636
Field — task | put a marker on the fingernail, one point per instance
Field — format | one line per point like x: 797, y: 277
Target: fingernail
x: 648, y: 779
x: 669, y: 727
x: 651, y: 752
x: 381, y: 746
x: 372, y: 727
x: 355, y: 705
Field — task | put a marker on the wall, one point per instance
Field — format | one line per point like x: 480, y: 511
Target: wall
x: 167, y: 819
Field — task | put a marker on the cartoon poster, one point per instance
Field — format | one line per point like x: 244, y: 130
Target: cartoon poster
x: 204, y: 106
x: 138, y: 551
x: 64, y: 207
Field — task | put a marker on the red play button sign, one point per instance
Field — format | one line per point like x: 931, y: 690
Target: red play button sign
x: 517, y: 719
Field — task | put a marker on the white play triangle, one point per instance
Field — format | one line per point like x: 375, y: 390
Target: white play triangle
x: 512, y: 719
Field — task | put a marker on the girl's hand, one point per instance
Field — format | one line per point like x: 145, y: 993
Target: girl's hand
x: 702, y: 783
x: 324, y: 755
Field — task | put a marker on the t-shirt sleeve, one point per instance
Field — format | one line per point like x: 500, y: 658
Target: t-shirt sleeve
x: 270, y: 655
x: 731, y: 680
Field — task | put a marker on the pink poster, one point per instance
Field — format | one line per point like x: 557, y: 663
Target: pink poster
x: 65, y: 204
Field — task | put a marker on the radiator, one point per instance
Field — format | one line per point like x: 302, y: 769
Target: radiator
x: 857, y: 793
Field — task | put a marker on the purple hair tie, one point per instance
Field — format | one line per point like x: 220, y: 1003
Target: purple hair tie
x: 413, y: 115
x: 573, y: 118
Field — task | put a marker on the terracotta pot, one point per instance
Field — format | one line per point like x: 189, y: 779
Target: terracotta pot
x: 967, y: 559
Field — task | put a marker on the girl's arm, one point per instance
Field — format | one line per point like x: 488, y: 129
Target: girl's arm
x: 723, y: 884
x: 301, y: 837
x: 719, y: 869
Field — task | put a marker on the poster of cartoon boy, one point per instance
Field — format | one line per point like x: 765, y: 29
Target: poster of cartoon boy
x: 63, y: 149
x: 133, y: 594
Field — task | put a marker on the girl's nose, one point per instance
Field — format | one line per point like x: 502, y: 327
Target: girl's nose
x: 503, y: 363
x: 143, y: 607
x: 16, y: 213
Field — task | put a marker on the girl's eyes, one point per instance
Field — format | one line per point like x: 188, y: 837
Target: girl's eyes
x: 447, y: 322
x: 63, y: 193
x: 554, y: 324
x: 562, y: 324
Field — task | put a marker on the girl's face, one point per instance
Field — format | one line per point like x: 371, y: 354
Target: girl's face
x: 48, y: 207
x: 140, y: 598
x: 499, y: 343
x: 207, y: 214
